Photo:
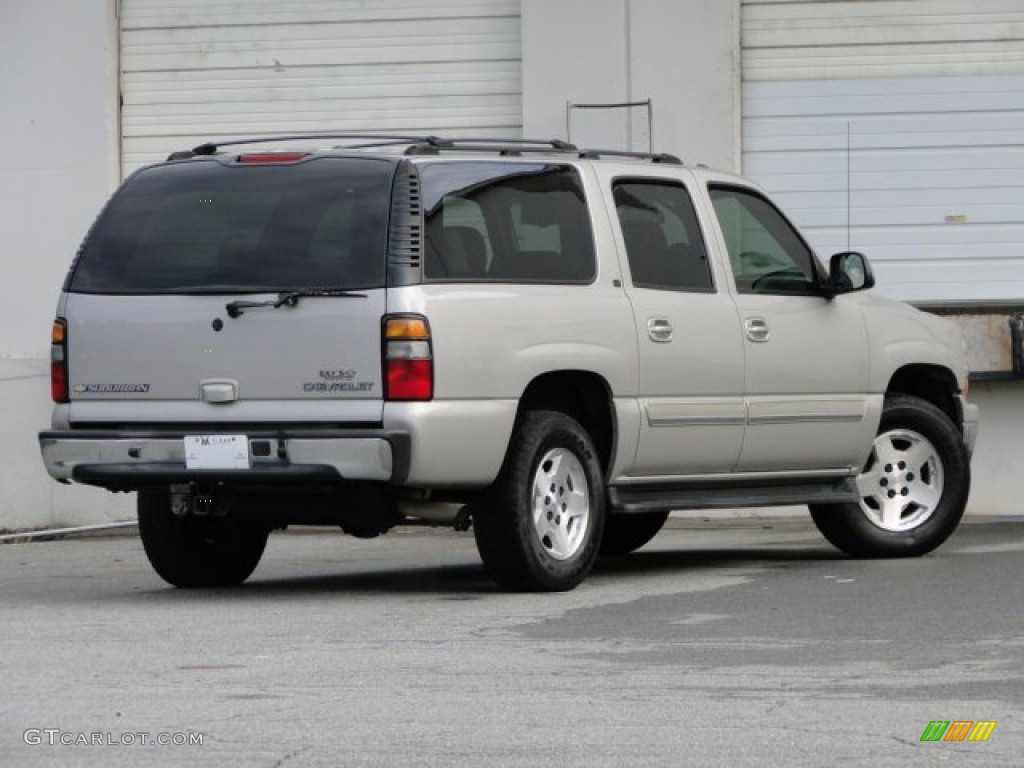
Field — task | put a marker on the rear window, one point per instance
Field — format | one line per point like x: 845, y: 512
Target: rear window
x: 506, y: 222
x: 203, y: 227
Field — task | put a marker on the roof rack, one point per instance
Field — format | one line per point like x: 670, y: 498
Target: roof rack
x: 432, y: 145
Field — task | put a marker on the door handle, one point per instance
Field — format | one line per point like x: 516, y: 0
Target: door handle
x: 659, y: 329
x: 757, y: 329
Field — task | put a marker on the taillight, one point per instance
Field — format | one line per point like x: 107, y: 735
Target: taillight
x: 408, y: 358
x: 59, y: 361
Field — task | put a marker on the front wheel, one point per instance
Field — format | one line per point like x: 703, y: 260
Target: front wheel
x: 540, y: 527
x: 913, y: 489
x: 197, y: 551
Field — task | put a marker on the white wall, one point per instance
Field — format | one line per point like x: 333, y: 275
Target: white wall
x: 682, y: 54
x: 995, y: 482
x: 58, y: 88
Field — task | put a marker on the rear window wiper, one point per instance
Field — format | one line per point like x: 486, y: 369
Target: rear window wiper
x: 288, y: 299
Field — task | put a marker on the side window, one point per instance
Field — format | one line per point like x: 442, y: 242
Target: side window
x: 459, y: 247
x: 662, y: 236
x: 766, y: 253
x: 506, y: 222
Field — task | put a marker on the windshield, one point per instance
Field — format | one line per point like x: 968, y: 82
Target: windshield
x: 203, y: 227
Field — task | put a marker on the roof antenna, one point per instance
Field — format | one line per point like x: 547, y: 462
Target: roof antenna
x: 848, y: 194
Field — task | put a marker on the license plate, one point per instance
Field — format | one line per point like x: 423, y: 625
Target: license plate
x: 217, y: 452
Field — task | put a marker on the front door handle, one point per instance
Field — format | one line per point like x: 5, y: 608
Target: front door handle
x: 659, y: 329
x: 757, y: 329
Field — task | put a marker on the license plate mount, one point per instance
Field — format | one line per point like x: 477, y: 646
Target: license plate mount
x: 217, y: 452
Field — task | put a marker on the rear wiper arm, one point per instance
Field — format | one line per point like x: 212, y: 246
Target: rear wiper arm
x: 288, y: 299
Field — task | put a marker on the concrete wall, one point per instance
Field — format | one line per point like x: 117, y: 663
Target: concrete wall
x: 58, y: 87
x: 681, y: 54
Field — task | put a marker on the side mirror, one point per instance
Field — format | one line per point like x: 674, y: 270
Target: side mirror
x: 849, y: 271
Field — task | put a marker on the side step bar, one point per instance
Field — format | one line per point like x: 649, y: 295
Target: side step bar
x: 639, y: 499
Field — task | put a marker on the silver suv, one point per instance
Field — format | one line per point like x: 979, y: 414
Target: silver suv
x: 555, y: 346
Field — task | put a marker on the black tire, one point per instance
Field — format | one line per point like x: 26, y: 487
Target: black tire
x: 913, y: 488
x: 557, y: 551
x: 627, y: 533
x: 196, y: 552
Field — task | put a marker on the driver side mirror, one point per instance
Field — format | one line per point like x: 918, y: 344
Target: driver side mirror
x: 849, y: 271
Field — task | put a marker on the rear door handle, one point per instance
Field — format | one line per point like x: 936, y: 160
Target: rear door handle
x: 757, y: 329
x: 659, y: 329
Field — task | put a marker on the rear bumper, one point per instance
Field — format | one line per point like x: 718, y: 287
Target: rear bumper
x: 123, y: 460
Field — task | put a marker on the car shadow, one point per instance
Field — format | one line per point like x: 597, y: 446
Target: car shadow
x: 467, y: 581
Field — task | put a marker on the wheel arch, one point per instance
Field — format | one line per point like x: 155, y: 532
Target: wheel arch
x: 585, y: 396
x: 932, y: 383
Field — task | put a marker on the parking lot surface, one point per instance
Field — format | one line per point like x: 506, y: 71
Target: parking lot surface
x: 733, y: 643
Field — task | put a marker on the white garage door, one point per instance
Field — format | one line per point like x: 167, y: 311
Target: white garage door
x: 194, y: 70
x: 896, y: 128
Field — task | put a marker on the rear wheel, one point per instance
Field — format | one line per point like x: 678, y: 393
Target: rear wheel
x: 540, y: 527
x: 913, y: 489
x: 627, y: 533
x: 194, y: 551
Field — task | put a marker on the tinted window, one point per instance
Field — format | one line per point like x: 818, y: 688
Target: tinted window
x: 663, y: 240
x: 203, y: 227
x: 508, y: 222
x: 766, y: 253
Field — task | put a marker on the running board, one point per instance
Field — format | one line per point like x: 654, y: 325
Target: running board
x: 650, y: 498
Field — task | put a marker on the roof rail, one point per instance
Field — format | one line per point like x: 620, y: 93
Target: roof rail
x: 518, y: 146
x: 431, y: 145
x: 210, y: 148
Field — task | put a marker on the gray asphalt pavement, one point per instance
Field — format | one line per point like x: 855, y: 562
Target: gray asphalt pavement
x: 739, y: 643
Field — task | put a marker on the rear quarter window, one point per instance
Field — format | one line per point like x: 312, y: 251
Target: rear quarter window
x: 506, y: 222
x: 204, y: 226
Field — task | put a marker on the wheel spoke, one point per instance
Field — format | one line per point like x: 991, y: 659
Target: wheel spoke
x: 868, y: 484
x: 919, y: 454
x: 886, y: 452
x: 892, y: 512
x: 561, y: 540
x: 925, y: 495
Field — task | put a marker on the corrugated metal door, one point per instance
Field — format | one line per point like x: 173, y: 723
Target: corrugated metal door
x: 896, y: 128
x: 193, y: 70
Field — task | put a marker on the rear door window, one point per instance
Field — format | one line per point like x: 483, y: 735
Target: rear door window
x: 506, y: 222
x: 204, y: 227
x: 662, y: 236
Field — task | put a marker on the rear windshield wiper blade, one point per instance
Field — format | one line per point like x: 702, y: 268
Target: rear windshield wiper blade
x: 288, y: 299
